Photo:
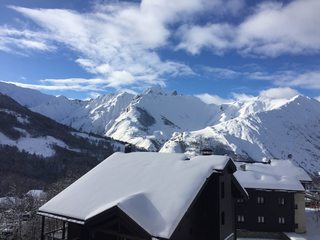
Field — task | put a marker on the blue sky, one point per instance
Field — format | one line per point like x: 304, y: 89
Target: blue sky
x: 218, y: 49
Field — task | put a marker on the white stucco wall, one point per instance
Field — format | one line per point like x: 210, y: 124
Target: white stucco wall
x: 299, y: 212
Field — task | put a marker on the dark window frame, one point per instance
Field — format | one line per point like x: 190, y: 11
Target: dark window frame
x: 240, y: 218
x: 281, y: 201
x: 261, y: 219
x: 260, y: 200
x: 223, y: 218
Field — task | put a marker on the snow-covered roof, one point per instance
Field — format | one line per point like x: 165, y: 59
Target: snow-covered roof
x: 154, y: 189
x: 278, y: 175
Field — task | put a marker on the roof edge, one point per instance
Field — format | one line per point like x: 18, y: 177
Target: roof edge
x: 240, y: 188
x: 61, y: 217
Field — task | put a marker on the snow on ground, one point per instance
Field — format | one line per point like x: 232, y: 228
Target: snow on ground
x: 36, y: 193
x: 42, y: 146
x: 20, y: 118
x: 313, y: 227
x: 8, y: 200
x: 87, y: 136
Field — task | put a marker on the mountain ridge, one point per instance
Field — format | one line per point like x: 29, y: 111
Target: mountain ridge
x: 251, y: 128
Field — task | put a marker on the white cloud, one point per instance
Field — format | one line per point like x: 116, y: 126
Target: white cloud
x: 278, y: 93
x: 242, y: 96
x: 214, y: 36
x: 310, y: 80
x: 94, y: 95
x: 271, y: 30
x: 271, y: 93
x: 302, y: 79
x: 119, y: 41
x: 18, y: 41
x: 305, y: 79
x: 116, y: 42
x: 212, y: 99
x: 74, y: 84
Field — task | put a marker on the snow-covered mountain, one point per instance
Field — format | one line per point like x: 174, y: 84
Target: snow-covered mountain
x: 24, y: 96
x: 282, y: 129
x: 96, y: 115
x: 146, y: 120
x: 253, y: 128
x: 38, y: 135
x: 153, y: 116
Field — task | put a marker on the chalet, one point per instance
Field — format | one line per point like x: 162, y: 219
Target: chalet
x: 276, y: 197
x: 137, y: 196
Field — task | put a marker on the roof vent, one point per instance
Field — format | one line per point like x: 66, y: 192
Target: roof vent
x: 206, y: 152
x: 243, y: 167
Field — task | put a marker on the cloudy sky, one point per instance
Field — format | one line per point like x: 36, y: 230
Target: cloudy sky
x: 219, y: 49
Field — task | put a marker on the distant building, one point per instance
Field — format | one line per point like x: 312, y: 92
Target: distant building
x: 276, y: 197
x: 150, y: 196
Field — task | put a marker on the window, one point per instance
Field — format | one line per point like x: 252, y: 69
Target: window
x: 260, y: 200
x: 222, y: 189
x: 281, y: 220
x: 240, y: 218
x: 260, y: 219
x: 281, y: 201
x: 222, y: 218
x: 240, y: 200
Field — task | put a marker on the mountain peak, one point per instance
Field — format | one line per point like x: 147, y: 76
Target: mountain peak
x: 156, y: 89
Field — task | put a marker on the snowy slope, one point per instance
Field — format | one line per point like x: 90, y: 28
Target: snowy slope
x: 292, y: 129
x: 96, y: 115
x: 153, y: 116
x: 24, y: 96
x: 36, y: 134
x: 252, y: 128
x: 146, y: 120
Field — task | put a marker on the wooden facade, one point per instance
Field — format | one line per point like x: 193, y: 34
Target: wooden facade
x: 266, y: 211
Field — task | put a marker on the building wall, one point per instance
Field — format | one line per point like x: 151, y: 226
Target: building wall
x: 201, y: 220
x: 226, y: 208
x: 299, y: 213
x: 211, y: 216
x: 272, y: 214
x: 204, y: 219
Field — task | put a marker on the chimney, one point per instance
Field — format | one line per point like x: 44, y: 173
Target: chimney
x: 127, y: 148
x: 243, y: 167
